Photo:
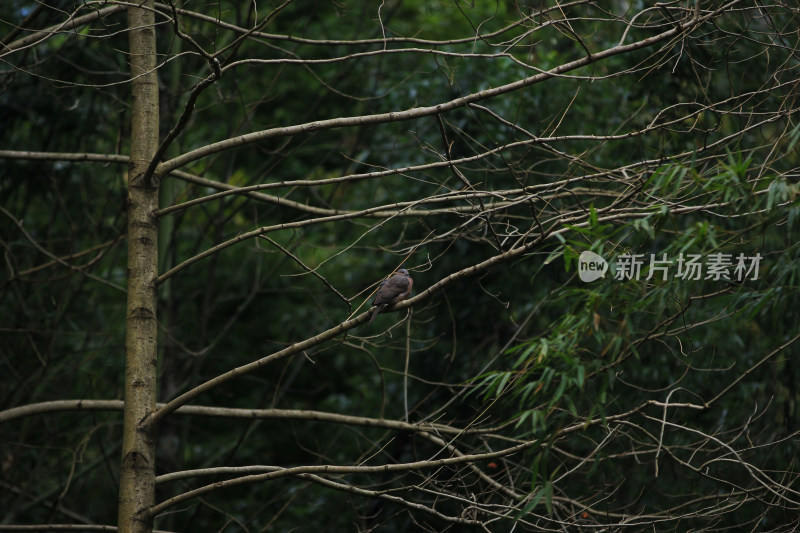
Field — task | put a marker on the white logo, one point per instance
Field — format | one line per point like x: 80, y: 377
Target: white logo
x: 716, y: 267
x: 591, y: 266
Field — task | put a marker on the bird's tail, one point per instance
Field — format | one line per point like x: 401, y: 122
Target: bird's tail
x: 378, y: 309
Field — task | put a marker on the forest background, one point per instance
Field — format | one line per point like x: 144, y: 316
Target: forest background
x: 198, y: 201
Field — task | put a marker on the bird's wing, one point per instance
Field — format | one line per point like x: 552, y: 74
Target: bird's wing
x: 379, y: 294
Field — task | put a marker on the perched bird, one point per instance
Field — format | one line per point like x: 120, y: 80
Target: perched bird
x: 391, y: 291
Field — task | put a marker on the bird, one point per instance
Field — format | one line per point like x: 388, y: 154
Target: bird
x: 392, y: 290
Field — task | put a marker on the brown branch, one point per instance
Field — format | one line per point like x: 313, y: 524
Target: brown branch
x: 419, y: 112
x: 334, y: 469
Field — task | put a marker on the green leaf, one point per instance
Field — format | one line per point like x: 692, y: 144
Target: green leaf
x: 502, y: 385
x: 559, y: 391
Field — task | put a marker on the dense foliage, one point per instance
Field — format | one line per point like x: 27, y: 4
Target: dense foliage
x: 645, y: 399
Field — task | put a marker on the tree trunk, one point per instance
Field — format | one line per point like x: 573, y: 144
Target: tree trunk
x: 137, y: 476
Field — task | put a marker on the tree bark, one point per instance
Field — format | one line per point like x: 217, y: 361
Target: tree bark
x: 137, y: 475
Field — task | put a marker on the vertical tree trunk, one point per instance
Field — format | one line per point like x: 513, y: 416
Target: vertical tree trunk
x: 137, y: 476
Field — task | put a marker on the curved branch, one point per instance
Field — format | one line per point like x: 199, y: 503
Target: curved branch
x: 419, y: 112
x: 334, y: 469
